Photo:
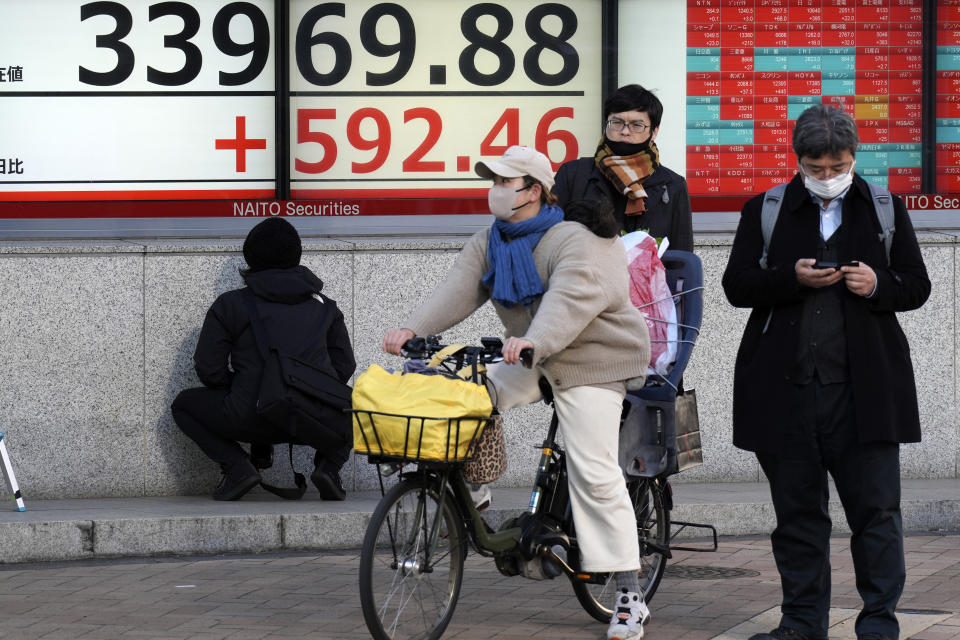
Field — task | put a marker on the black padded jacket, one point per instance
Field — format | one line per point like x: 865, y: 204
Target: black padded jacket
x: 298, y: 320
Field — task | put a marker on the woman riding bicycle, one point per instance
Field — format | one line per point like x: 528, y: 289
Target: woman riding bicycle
x: 563, y: 291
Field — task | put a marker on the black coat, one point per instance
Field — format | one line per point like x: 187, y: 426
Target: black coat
x: 668, y: 202
x: 294, y: 321
x: 880, y: 370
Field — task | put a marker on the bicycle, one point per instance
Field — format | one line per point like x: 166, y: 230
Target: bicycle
x: 411, y: 564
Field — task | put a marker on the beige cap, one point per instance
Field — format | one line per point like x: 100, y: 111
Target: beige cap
x: 518, y: 161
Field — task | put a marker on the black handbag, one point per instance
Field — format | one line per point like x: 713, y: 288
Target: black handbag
x: 305, y: 402
x: 660, y: 437
x: 645, y: 437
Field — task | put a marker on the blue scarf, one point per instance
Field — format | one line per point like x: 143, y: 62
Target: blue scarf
x: 513, y: 276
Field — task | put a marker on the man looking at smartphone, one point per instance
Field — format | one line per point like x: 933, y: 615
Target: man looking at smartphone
x: 823, y: 380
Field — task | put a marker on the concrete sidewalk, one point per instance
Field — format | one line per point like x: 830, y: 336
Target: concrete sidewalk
x: 727, y: 595
x: 52, y: 530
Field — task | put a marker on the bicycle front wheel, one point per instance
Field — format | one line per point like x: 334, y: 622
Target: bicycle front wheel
x: 411, y: 565
x: 653, y: 532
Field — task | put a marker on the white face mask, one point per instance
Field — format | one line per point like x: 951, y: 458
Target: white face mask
x: 828, y: 189
x: 500, y: 199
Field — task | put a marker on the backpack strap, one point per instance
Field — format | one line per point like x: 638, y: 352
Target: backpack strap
x: 883, y: 205
x: 772, y: 200
x: 294, y: 493
x: 260, y: 337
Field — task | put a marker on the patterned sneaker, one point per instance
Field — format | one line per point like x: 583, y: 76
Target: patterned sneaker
x: 630, y: 613
x: 480, y: 493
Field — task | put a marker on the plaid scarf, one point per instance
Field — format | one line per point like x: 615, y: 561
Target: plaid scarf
x: 628, y: 173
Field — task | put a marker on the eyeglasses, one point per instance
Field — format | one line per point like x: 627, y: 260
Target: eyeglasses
x: 617, y: 125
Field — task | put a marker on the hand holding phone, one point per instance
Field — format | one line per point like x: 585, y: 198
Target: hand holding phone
x: 862, y: 280
x: 817, y: 273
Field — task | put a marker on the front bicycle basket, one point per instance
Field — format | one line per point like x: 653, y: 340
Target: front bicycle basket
x: 415, y: 416
x: 414, y: 438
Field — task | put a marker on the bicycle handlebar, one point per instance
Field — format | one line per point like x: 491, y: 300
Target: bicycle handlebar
x: 424, y: 347
x: 526, y: 358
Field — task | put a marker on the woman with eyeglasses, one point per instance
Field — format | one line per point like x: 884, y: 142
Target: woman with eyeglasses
x: 626, y: 170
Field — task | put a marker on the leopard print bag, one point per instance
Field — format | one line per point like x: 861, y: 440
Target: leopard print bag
x: 490, y: 460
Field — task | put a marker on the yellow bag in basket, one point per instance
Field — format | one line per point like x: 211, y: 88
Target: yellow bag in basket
x: 445, y: 414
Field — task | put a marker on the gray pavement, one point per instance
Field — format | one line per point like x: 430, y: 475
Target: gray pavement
x: 725, y: 595
x: 190, y: 567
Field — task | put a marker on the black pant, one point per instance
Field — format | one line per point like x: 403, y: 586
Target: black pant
x: 821, y: 436
x: 201, y: 415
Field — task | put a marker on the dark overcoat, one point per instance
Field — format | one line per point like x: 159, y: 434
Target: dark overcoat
x: 668, y: 202
x: 880, y: 370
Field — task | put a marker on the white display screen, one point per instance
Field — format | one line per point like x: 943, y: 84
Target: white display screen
x: 168, y: 109
x: 392, y: 100
x: 136, y: 101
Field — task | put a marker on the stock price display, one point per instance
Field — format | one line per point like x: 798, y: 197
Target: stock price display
x: 105, y: 100
x: 754, y: 65
x: 948, y: 97
x: 401, y: 100
x: 109, y: 100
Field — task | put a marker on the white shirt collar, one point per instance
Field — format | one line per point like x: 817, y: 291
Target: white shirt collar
x: 832, y: 215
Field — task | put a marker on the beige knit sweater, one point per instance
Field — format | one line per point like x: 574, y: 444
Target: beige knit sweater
x: 584, y: 329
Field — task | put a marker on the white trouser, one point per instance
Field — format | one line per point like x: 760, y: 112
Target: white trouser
x: 589, y: 424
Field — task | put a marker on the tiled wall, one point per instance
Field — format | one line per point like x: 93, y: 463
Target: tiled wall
x: 96, y: 339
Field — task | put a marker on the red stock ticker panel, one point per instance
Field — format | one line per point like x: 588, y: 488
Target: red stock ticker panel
x: 753, y: 66
x: 948, y: 97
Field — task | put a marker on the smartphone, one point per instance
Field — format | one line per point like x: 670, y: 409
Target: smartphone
x: 821, y: 264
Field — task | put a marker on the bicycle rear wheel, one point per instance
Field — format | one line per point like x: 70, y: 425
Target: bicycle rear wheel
x: 653, y: 531
x: 411, y: 564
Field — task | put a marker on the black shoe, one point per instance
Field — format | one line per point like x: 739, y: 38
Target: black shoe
x: 237, y: 481
x: 328, y: 484
x: 875, y: 636
x: 783, y: 633
x: 261, y: 455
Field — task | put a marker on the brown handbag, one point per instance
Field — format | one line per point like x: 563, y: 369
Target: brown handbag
x: 689, y: 447
x: 490, y: 459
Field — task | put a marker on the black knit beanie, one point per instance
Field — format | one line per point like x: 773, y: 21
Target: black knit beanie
x: 272, y: 244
